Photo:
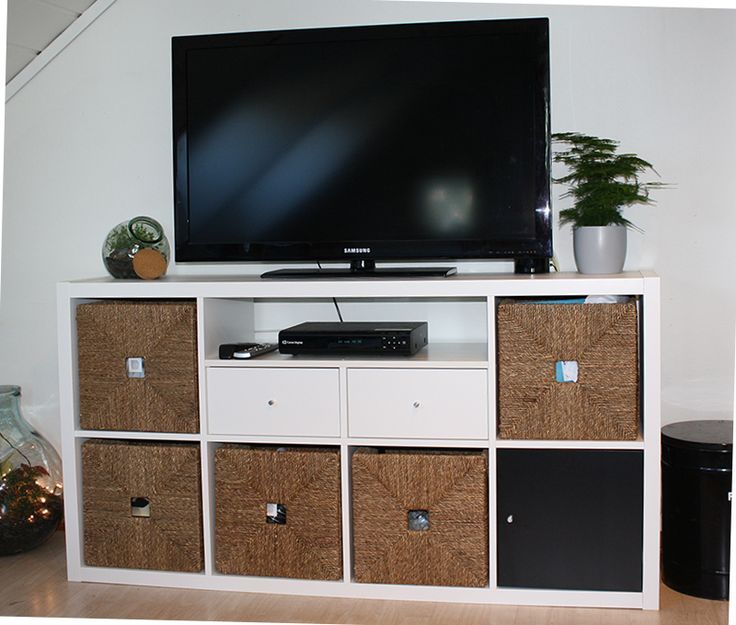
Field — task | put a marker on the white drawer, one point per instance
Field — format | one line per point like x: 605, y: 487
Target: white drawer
x: 418, y: 403
x: 273, y: 401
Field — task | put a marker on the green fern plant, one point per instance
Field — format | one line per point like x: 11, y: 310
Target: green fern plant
x: 601, y: 181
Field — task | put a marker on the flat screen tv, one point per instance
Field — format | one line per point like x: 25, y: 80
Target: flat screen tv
x: 388, y: 143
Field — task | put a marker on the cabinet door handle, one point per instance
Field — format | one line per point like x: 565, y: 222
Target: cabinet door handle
x: 416, y: 404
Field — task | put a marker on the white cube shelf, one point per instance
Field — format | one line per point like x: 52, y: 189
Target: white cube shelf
x: 443, y: 397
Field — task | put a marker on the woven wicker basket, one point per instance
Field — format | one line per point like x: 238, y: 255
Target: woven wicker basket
x: 304, y: 539
x: 603, y: 404
x: 164, y: 334
x: 446, y: 491
x: 142, y: 506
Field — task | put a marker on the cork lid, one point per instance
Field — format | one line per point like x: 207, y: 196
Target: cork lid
x: 149, y: 264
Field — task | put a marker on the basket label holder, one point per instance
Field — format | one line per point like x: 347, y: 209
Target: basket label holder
x: 140, y: 507
x: 418, y: 520
x: 276, y: 513
x: 135, y: 367
x: 566, y: 371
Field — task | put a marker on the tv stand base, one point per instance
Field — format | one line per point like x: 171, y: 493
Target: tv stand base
x: 349, y: 273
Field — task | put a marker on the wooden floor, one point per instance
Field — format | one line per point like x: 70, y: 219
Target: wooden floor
x: 34, y: 584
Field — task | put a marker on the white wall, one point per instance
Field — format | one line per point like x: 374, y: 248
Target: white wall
x: 88, y: 145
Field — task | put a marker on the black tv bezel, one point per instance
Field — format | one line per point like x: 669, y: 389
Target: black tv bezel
x: 538, y: 247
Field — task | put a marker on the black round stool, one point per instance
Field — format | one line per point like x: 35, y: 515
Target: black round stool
x: 696, y: 507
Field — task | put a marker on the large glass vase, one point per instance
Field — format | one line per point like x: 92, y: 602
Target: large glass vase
x: 30, y: 480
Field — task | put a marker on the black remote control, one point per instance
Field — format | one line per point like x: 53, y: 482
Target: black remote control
x: 242, y: 351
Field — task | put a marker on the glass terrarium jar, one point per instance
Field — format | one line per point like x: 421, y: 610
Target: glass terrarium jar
x: 137, y: 248
x: 30, y: 480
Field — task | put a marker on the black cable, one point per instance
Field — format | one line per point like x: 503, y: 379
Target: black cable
x: 334, y: 301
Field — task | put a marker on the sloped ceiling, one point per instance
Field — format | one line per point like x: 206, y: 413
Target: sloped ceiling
x: 33, y: 25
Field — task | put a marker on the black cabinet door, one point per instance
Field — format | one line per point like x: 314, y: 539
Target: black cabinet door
x: 570, y: 519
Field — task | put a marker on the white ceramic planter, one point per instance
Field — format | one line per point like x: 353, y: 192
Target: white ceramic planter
x: 600, y: 249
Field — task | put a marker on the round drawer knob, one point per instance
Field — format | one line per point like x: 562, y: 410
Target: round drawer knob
x: 510, y: 519
x: 416, y: 404
x: 271, y: 402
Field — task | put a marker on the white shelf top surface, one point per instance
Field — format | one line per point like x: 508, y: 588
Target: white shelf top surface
x: 460, y: 285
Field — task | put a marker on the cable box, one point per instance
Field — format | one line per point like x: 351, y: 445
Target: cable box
x: 354, y: 338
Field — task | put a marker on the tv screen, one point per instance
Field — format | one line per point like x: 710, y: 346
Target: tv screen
x: 411, y: 142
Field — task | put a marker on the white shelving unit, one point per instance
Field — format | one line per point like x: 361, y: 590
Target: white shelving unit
x: 448, y: 394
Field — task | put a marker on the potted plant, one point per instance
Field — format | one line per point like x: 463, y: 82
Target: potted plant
x: 601, y: 182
